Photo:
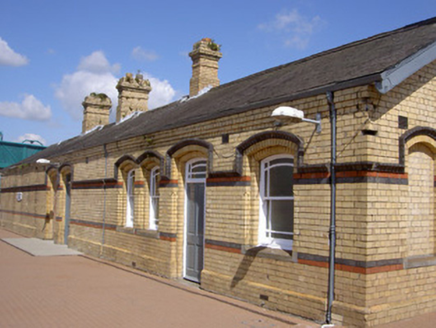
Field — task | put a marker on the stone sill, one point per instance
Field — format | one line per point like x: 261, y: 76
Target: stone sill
x: 270, y: 253
x: 410, y: 263
x: 139, y: 232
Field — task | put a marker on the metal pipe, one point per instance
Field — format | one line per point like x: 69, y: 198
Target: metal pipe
x: 55, y: 197
x: 104, y: 200
x: 332, y: 230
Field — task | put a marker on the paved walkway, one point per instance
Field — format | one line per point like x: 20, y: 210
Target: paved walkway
x: 39, y: 247
x: 79, y: 291
x: 42, y: 287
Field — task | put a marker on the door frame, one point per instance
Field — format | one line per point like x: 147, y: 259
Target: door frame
x: 185, y: 232
x: 67, y: 213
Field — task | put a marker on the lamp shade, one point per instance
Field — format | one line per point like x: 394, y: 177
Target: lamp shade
x: 289, y: 112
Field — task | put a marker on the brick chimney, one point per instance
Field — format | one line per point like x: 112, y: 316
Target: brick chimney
x: 132, y: 95
x: 96, y: 111
x: 205, y: 56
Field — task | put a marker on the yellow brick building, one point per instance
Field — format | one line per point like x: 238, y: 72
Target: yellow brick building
x: 215, y: 189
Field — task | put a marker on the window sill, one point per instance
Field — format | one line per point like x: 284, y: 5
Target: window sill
x: 139, y: 232
x: 270, y: 252
x: 417, y: 262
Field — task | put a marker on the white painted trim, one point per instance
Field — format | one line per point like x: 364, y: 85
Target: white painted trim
x: 130, y: 198
x: 262, y: 239
x: 153, y: 194
x: 397, y: 74
x: 188, y: 167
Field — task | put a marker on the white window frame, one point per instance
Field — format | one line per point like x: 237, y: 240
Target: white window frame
x: 154, y: 199
x: 191, y: 176
x: 264, y: 236
x: 130, y: 198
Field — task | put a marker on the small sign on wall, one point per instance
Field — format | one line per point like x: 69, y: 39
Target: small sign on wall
x: 19, y: 196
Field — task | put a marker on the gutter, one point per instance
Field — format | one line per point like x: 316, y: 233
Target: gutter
x: 398, y: 73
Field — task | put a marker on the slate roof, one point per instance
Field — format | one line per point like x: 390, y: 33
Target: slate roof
x: 353, y: 64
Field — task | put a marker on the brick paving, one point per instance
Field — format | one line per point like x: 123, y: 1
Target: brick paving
x: 81, y: 291
x: 422, y: 321
x: 78, y: 291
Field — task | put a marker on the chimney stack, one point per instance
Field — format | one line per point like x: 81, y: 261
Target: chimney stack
x: 132, y: 95
x: 205, y: 56
x: 96, y: 111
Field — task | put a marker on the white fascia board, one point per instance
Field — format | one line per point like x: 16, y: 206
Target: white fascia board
x: 397, y: 74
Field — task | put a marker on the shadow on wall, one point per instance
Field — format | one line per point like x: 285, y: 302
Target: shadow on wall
x: 48, y: 218
x: 244, y: 266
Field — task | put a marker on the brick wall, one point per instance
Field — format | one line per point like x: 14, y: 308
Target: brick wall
x: 382, y: 254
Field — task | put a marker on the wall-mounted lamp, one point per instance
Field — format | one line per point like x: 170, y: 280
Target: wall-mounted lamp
x: 47, y: 161
x: 43, y: 161
x: 289, y: 113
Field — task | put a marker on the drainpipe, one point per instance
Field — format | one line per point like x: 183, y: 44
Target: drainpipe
x: 104, y: 200
x: 55, y: 197
x: 332, y: 231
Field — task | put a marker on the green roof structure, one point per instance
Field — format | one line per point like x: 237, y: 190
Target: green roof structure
x: 14, y: 152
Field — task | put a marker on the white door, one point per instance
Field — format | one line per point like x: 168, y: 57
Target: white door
x: 194, y: 219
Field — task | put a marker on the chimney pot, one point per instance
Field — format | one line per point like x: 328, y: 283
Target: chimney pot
x: 205, y: 56
x: 132, y: 95
x: 96, y: 111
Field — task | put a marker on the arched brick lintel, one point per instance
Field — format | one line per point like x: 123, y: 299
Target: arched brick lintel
x: 410, y: 134
x: 149, y: 154
x: 259, y: 137
x: 184, y: 143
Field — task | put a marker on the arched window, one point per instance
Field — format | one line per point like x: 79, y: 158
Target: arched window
x: 276, y: 219
x: 130, y: 191
x: 154, y: 198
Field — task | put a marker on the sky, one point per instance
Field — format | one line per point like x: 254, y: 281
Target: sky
x: 55, y: 53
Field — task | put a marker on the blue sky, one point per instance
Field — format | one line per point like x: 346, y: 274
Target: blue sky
x: 54, y: 53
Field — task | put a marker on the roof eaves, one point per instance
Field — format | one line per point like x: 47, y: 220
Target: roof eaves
x: 395, y: 75
x: 364, y: 80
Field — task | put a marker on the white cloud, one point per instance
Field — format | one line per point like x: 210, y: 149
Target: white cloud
x: 97, y: 63
x: 296, y: 41
x: 144, y: 55
x: 29, y: 109
x: 294, y: 28
x: 75, y: 87
x: 31, y: 137
x: 9, y: 57
x: 96, y: 74
x: 161, y: 93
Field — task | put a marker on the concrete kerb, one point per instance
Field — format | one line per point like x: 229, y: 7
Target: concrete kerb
x: 39, y: 247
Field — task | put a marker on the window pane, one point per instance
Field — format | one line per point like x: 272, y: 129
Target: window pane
x: 197, y: 170
x: 130, y: 198
x: 282, y: 161
x: 154, y: 198
x: 282, y: 218
x: 154, y: 182
x: 155, y: 204
x: 199, y: 167
x: 266, y: 182
x: 281, y: 179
